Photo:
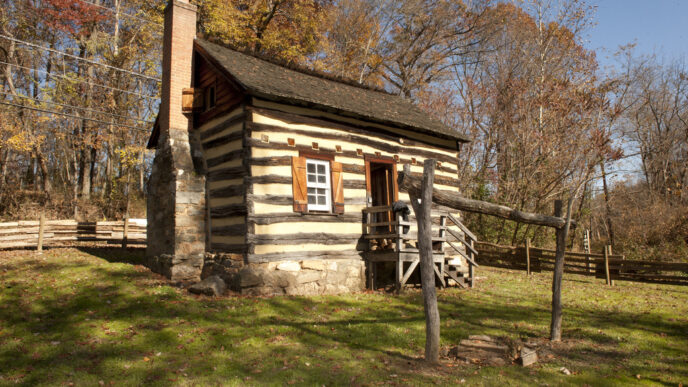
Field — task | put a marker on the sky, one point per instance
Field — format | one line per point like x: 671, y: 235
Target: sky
x: 657, y: 26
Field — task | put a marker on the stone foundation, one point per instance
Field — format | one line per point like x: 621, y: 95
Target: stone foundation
x: 177, y: 268
x: 226, y: 266
x: 303, y: 278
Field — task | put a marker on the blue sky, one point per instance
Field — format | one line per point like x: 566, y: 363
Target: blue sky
x: 659, y: 26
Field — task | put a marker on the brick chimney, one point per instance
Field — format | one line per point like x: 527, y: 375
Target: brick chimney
x: 176, y: 188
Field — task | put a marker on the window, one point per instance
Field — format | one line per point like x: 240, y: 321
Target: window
x: 318, y: 183
x: 210, y: 98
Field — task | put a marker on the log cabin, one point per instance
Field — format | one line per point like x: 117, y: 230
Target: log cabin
x: 288, y: 174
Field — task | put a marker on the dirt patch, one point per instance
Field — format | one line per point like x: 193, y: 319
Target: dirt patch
x: 497, y: 351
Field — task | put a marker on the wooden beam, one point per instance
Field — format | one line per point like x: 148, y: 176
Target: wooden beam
x: 462, y: 240
x: 462, y: 253
x: 427, y: 265
x: 413, y: 185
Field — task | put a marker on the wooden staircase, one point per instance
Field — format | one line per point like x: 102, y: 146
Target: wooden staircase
x: 393, y: 239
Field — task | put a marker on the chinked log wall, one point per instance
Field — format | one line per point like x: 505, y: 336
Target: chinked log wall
x: 248, y: 155
x: 25, y: 233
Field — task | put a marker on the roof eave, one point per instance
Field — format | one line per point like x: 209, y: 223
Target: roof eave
x: 459, y: 137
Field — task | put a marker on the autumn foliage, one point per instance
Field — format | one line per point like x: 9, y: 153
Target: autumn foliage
x: 546, y: 122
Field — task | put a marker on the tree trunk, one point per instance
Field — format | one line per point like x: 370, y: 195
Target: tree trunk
x: 427, y: 264
x: 92, y: 171
x: 47, y: 186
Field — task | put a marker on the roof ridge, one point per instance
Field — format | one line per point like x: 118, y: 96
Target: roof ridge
x: 300, y: 68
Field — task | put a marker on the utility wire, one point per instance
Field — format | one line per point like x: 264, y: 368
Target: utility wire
x: 81, y: 80
x: 122, y: 13
x: 75, y: 116
x: 79, y: 58
x: 78, y: 107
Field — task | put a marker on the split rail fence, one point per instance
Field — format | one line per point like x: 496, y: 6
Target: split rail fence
x: 47, y: 233
x: 604, y: 265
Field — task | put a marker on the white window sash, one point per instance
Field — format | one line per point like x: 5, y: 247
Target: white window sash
x: 326, y: 185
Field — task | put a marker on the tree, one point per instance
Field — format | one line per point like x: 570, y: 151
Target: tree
x: 290, y: 30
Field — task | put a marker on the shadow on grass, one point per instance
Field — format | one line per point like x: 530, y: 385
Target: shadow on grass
x: 105, y: 326
x: 131, y: 255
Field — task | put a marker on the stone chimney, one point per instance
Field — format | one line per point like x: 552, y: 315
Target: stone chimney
x: 176, y: 188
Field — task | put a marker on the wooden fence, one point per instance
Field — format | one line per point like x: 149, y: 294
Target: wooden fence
x: 600, y: 265
x: 40, y: 233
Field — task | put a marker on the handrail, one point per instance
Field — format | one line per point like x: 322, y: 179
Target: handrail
x: 462, y: 227
x: 377, y: 209
x: 468, y: 246
x: 472, y: 262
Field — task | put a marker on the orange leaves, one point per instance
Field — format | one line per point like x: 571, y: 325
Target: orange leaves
x: 285, y: 29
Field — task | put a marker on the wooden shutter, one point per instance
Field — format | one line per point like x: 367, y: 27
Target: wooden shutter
x: 337, y: 187
x: 299, y: 186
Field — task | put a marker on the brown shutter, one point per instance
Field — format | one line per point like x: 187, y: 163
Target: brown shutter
x: 299, y: 186
x: 337, y: 187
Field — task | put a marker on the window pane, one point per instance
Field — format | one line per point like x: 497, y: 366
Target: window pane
x: 311, y: 199
x: 311, y: 178
x: 321, y: 200
x: 321, y: 169
x: 311, y: 191
x: 322, y: 191
x: 311, y: 168
x: 321, y: 179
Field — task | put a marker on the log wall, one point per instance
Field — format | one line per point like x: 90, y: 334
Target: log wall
x: 223, y: 148
x: 275, y: 231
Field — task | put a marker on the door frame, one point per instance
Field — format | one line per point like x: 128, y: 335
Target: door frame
x: 380, y: 160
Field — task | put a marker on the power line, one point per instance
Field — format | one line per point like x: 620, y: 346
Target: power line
x: 75, y: 116
x: 121, y: 13
x: 79, y: 80
x: 79, y: 58
x: 78, y: 107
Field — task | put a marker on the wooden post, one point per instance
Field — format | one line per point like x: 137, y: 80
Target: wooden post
x: 125, y: 233
x: 423, y: 211
x: 41, y: 230
x: 586, y: 243
x: 606, y: 266
x: 528, y: 255
x: 398, y: 246
x: 555, y: 327
x: 471, y: 267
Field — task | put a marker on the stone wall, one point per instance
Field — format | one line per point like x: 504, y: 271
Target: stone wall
x: 302, y: 278
x: 176, y: 207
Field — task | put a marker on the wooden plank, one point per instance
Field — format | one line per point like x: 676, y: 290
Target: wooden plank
x: 391, y: 223
x: 528, y: 256
x: 409, y: 272
x: 439, y: 276
x: 462, y: 253
x: 462, y: 227
x: 377, y: 209
x: 41, y: 231
x: 468, y: 246
x: 626, y: 276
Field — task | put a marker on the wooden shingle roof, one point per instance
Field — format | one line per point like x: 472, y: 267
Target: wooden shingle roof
x: 264, y: 79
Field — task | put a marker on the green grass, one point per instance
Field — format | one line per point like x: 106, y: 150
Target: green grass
x: 71, y: 316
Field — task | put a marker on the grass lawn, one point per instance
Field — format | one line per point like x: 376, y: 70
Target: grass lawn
x: 89, y: 318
